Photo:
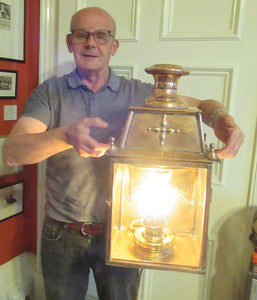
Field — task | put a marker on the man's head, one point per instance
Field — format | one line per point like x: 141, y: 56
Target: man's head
x: 92, y: 52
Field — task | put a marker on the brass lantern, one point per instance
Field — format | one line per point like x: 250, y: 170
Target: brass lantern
x: 161, y: 183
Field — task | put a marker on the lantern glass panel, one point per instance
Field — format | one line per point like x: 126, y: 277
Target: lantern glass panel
x: 168, y: 199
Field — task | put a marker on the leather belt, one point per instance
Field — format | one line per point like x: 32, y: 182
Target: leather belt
x: 87, y: 228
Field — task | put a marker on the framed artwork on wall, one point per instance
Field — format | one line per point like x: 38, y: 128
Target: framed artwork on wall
x: 11, y: 200
x: 8, y: 84
x: 12, y: 30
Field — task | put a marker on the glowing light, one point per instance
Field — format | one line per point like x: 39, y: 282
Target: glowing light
x: 155, y: 197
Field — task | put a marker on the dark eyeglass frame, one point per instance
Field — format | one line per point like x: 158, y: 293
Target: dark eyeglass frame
x: 88, y: 33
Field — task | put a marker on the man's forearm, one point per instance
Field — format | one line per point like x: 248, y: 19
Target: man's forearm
x: 33, y: 148
x: 209, y: 110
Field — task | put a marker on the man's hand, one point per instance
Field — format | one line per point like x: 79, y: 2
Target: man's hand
x: 229, y: 133
x: 77, y: 134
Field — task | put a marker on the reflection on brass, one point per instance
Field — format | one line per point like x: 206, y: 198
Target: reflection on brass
x: 163, y: 129
x: 137, y: 140
x: 211, y: 154
x: 136, y: 224
x: 108, y: 203
x: 166, y: 78
x: 153, y: 240
x: 112, y: 147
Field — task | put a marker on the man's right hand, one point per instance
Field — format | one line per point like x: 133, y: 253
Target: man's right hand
x: 77, y: 134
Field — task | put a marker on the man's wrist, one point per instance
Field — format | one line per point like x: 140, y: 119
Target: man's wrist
x: 211, y: 122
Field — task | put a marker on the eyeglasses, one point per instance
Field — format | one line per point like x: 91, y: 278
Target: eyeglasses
x: 101, y: 37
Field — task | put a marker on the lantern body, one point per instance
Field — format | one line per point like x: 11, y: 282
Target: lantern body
x: 158, y: 208
x: 160, y: 194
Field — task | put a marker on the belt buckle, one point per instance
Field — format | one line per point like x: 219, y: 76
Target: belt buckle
x: 84, y: 225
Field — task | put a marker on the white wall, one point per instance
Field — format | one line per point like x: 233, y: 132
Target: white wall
x: 17, y: 277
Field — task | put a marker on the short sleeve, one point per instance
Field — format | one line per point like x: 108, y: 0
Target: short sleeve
x: 38, y: 105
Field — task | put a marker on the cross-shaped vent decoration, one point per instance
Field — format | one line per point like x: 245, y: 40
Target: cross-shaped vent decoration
x: 163, y: 129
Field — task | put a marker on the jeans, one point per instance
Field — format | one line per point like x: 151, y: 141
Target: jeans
x: 67, y: 257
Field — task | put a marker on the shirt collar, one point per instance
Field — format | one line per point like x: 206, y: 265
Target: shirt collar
x: 113, y: 82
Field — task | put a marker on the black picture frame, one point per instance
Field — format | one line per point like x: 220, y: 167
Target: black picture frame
x: 12, y: 30
x: 11, y: 200
x: 8, y: 84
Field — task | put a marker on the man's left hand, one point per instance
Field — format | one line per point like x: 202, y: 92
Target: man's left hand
x: 229, y: 133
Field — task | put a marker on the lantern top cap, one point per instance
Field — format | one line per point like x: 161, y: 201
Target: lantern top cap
x: 167, y: 69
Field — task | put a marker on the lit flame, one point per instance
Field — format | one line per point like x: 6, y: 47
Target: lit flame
x: 155, y: 197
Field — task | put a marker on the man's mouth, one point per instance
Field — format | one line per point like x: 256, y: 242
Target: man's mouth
x: 90, y: 55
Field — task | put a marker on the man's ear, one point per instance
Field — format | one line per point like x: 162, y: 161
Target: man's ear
x: 69, y: 42
x: 115, y: 47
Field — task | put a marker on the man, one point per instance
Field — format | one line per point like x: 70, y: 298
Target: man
x: 68, y: 121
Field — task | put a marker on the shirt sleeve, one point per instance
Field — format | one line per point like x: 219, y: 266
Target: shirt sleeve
x: 38, y: 105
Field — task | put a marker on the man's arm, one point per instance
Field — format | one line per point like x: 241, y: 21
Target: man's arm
x: 29, y: 142
x: 214, y: 114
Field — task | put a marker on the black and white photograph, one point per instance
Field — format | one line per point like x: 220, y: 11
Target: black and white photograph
x: 8, y: 84
x: 12, y: 30
x: 5, y: 14
x: 11, y: 200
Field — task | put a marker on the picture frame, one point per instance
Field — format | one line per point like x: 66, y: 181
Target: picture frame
x: 8, y: 84
x: 12, y: 30
x: 11, y: 200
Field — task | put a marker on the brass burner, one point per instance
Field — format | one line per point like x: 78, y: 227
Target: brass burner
x: 153, y: 240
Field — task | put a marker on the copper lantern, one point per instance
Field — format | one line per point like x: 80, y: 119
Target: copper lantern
x: 161, y: 183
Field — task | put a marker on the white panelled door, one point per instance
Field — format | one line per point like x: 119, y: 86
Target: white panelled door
x: 217, y: 41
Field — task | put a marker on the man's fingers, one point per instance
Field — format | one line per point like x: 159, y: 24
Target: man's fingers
x: 232, y: 147
x: 95, y: 122
x: 225, y: 153
x: 90, y: 147
x: 78, y: 135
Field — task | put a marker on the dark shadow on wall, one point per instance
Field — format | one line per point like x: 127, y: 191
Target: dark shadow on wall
x: 233, y: 255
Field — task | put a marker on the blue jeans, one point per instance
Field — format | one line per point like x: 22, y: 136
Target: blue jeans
x: 67, y: 257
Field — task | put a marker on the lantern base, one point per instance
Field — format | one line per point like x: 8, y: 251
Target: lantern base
x: 156, y: 249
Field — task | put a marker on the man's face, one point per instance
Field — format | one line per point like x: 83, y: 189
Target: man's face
x: 91, y: 57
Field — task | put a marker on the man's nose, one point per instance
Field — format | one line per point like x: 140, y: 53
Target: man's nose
x: 90, y: 40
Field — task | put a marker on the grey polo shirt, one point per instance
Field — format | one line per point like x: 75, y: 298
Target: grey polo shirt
x: 77, y: 187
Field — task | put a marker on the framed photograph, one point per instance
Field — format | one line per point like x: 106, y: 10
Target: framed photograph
x: 12, y: 30
x: 8, y: 84
x: 11, y: 200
